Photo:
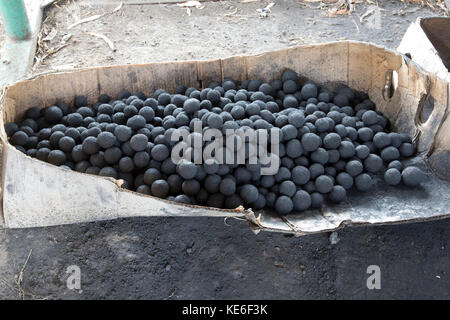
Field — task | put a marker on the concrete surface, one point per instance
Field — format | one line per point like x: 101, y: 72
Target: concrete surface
x: 202, y: 258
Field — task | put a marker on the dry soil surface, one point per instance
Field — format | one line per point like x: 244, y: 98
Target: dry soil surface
x: 202, y: 258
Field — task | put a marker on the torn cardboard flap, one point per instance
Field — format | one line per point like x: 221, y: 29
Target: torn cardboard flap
x: 36, y: 193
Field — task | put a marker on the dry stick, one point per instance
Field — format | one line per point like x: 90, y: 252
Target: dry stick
x: 20, y: 279
x: 105, y: 38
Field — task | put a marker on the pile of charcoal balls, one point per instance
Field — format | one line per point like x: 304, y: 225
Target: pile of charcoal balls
x: 330, y: 142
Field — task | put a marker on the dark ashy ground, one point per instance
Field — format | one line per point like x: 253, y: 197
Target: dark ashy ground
x: 202, y: 258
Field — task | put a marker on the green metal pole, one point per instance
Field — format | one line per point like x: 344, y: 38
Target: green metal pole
x: 15, y: 19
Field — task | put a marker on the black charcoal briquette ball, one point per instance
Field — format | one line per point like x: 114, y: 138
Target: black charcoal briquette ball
x: 253, y: 85
x: 126, y: 164
x: 215, y: 121
x: 396, y: 165
x: 160, y: 188
x: 141, y: 159
x: 289, y: 132
x: 92, y: 170
x: 136, y: 122
x: 30, y: 123
x: 249, y: 193
x: 139, y: 142
x: 105, y: 109
x: 289, y: 74
x: 309, y: 90
x: 78, y: 154
x: 32, y: 142
x: 354, y: 168
x: 344, y: 179
x: 186, y: 169
x: 260, y: 203
x: 90, y: 145
x: 396, y: 139
x: 283, y: 174
x: 82, y: 166
x: 103, y: 118
x: 144, y: 189
x: 362, y: 151
x: 182, y: 198
x: 98, y: 159
x: 332, y: 140
x: 192, y: 105
x: 290, y: 101
x: 148, y: 113
x: 322, y: 125
x: 310, y: 142
x: 66, y: 144
x: 33, y: 113
x: 227, y: 186
x: 381, y: 140
x: 363, y: 182
x: 296, y: 118
x: 126, y: 149
x: 352, y: 134
x: 212, y: 183
x: 130, y: 111
x: 164, y: 99
x: 113, y: 155
x: 160, y: 152
x: 11, y: 128
x: 191, y: 187
x: 151, y: 175
x: 138, y: 180
x: 333, y: 156
x: 270, y: 200
x: 168, y: 167
x: 281, y: 120
x: 290, y: 86
x: 175, y: 183
x: 412, y: 176
x: 337, y: 194
x: 340, y: 165
x: 392, y: 176
x: 365, y: 134
x: 300, y: 175
x: 73, y: 133
x: 316, y: 200
x: 369, y: 118
x: 406, y: 149
x: 42, y: 154
x: 20, y: 138
x: 53, y: 114
x: 284, y: 205
x: 373, y: 163
x: 319, y: 156
x: 106, y: 140
x: 390, y: 153
x: 301, y: 200
x: 213, y: 96
x: 341, y: 100
x: 287, y: 188
x: 346, y: 150
x: 324, y: 184
x: 267, y: 181
x: 315, y: 170
x: 56, y: 157
x: 294, y: 148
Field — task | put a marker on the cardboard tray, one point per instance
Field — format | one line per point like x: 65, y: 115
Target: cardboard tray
x: 35, y: 193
